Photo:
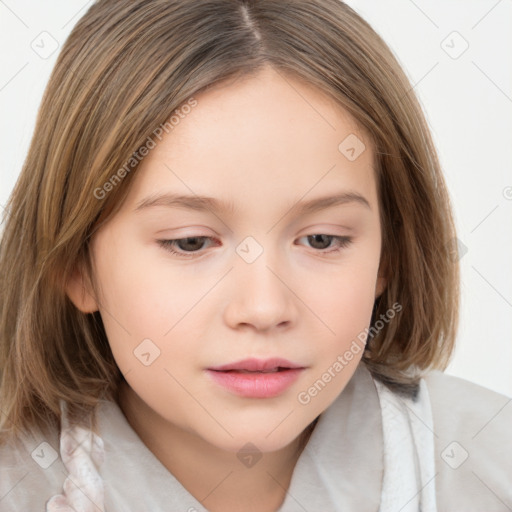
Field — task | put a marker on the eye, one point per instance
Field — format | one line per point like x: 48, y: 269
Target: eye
x: 190, y: 245
x: 322, y: 242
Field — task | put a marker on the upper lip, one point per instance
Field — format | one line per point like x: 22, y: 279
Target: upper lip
x: 257, y: 365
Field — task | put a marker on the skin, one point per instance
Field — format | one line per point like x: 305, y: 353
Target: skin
x: 264, y: 143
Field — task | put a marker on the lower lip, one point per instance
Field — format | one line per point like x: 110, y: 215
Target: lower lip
x: 257, y: 384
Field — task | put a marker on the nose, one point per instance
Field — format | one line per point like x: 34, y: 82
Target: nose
x: 260, y: 297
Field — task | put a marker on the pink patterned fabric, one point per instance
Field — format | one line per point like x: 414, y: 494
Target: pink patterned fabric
x: 82, y: 453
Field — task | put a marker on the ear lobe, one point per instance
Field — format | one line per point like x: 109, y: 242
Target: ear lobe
x: 79, y: 295
x: 382, y: 280
x: 380, y: 286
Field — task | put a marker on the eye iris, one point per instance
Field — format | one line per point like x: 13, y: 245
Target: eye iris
x: 193, y: 240
x: 316, y: 237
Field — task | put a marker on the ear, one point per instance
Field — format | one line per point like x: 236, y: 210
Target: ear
x: 81, y: 296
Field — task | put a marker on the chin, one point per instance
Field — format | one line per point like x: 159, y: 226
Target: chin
x: 264, y: 440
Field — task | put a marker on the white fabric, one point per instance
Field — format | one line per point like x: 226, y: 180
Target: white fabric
x: 421, y: 418
x: 409, y: 466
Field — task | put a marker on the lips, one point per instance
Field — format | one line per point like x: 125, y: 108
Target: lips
x: 256, y: 378
x: 257, y: 365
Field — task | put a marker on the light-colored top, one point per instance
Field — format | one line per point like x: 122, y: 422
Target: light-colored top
x: 371, y: 450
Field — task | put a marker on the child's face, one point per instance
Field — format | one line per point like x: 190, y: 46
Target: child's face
x: 259, y: 286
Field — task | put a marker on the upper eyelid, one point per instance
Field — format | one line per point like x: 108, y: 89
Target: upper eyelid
x: 214, y: 238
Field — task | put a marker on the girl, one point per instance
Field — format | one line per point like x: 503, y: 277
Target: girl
x: 228, y: 279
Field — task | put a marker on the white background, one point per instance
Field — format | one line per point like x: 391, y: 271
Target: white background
x: 467, y: 101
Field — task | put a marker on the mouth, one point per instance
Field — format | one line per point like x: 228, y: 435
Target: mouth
x: 255, y: 378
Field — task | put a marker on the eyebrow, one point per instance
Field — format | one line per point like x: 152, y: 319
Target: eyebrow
x: 203, y: 203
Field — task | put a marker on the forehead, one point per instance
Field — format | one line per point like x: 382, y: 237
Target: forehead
x: 262, y: 137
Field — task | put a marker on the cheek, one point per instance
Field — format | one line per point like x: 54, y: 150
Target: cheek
x: 144, y: 298
x: 343, y: 299
x: 135, y: 289
x: 346, y: 304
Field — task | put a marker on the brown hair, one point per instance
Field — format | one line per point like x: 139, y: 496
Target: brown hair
x: 123, y: 71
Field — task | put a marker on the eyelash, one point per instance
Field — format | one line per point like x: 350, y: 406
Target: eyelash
x: 343, y: 242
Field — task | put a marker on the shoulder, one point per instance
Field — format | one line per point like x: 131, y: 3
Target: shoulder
x: 460, y: 406
x: 31, y: 471
x: 473, y: 443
